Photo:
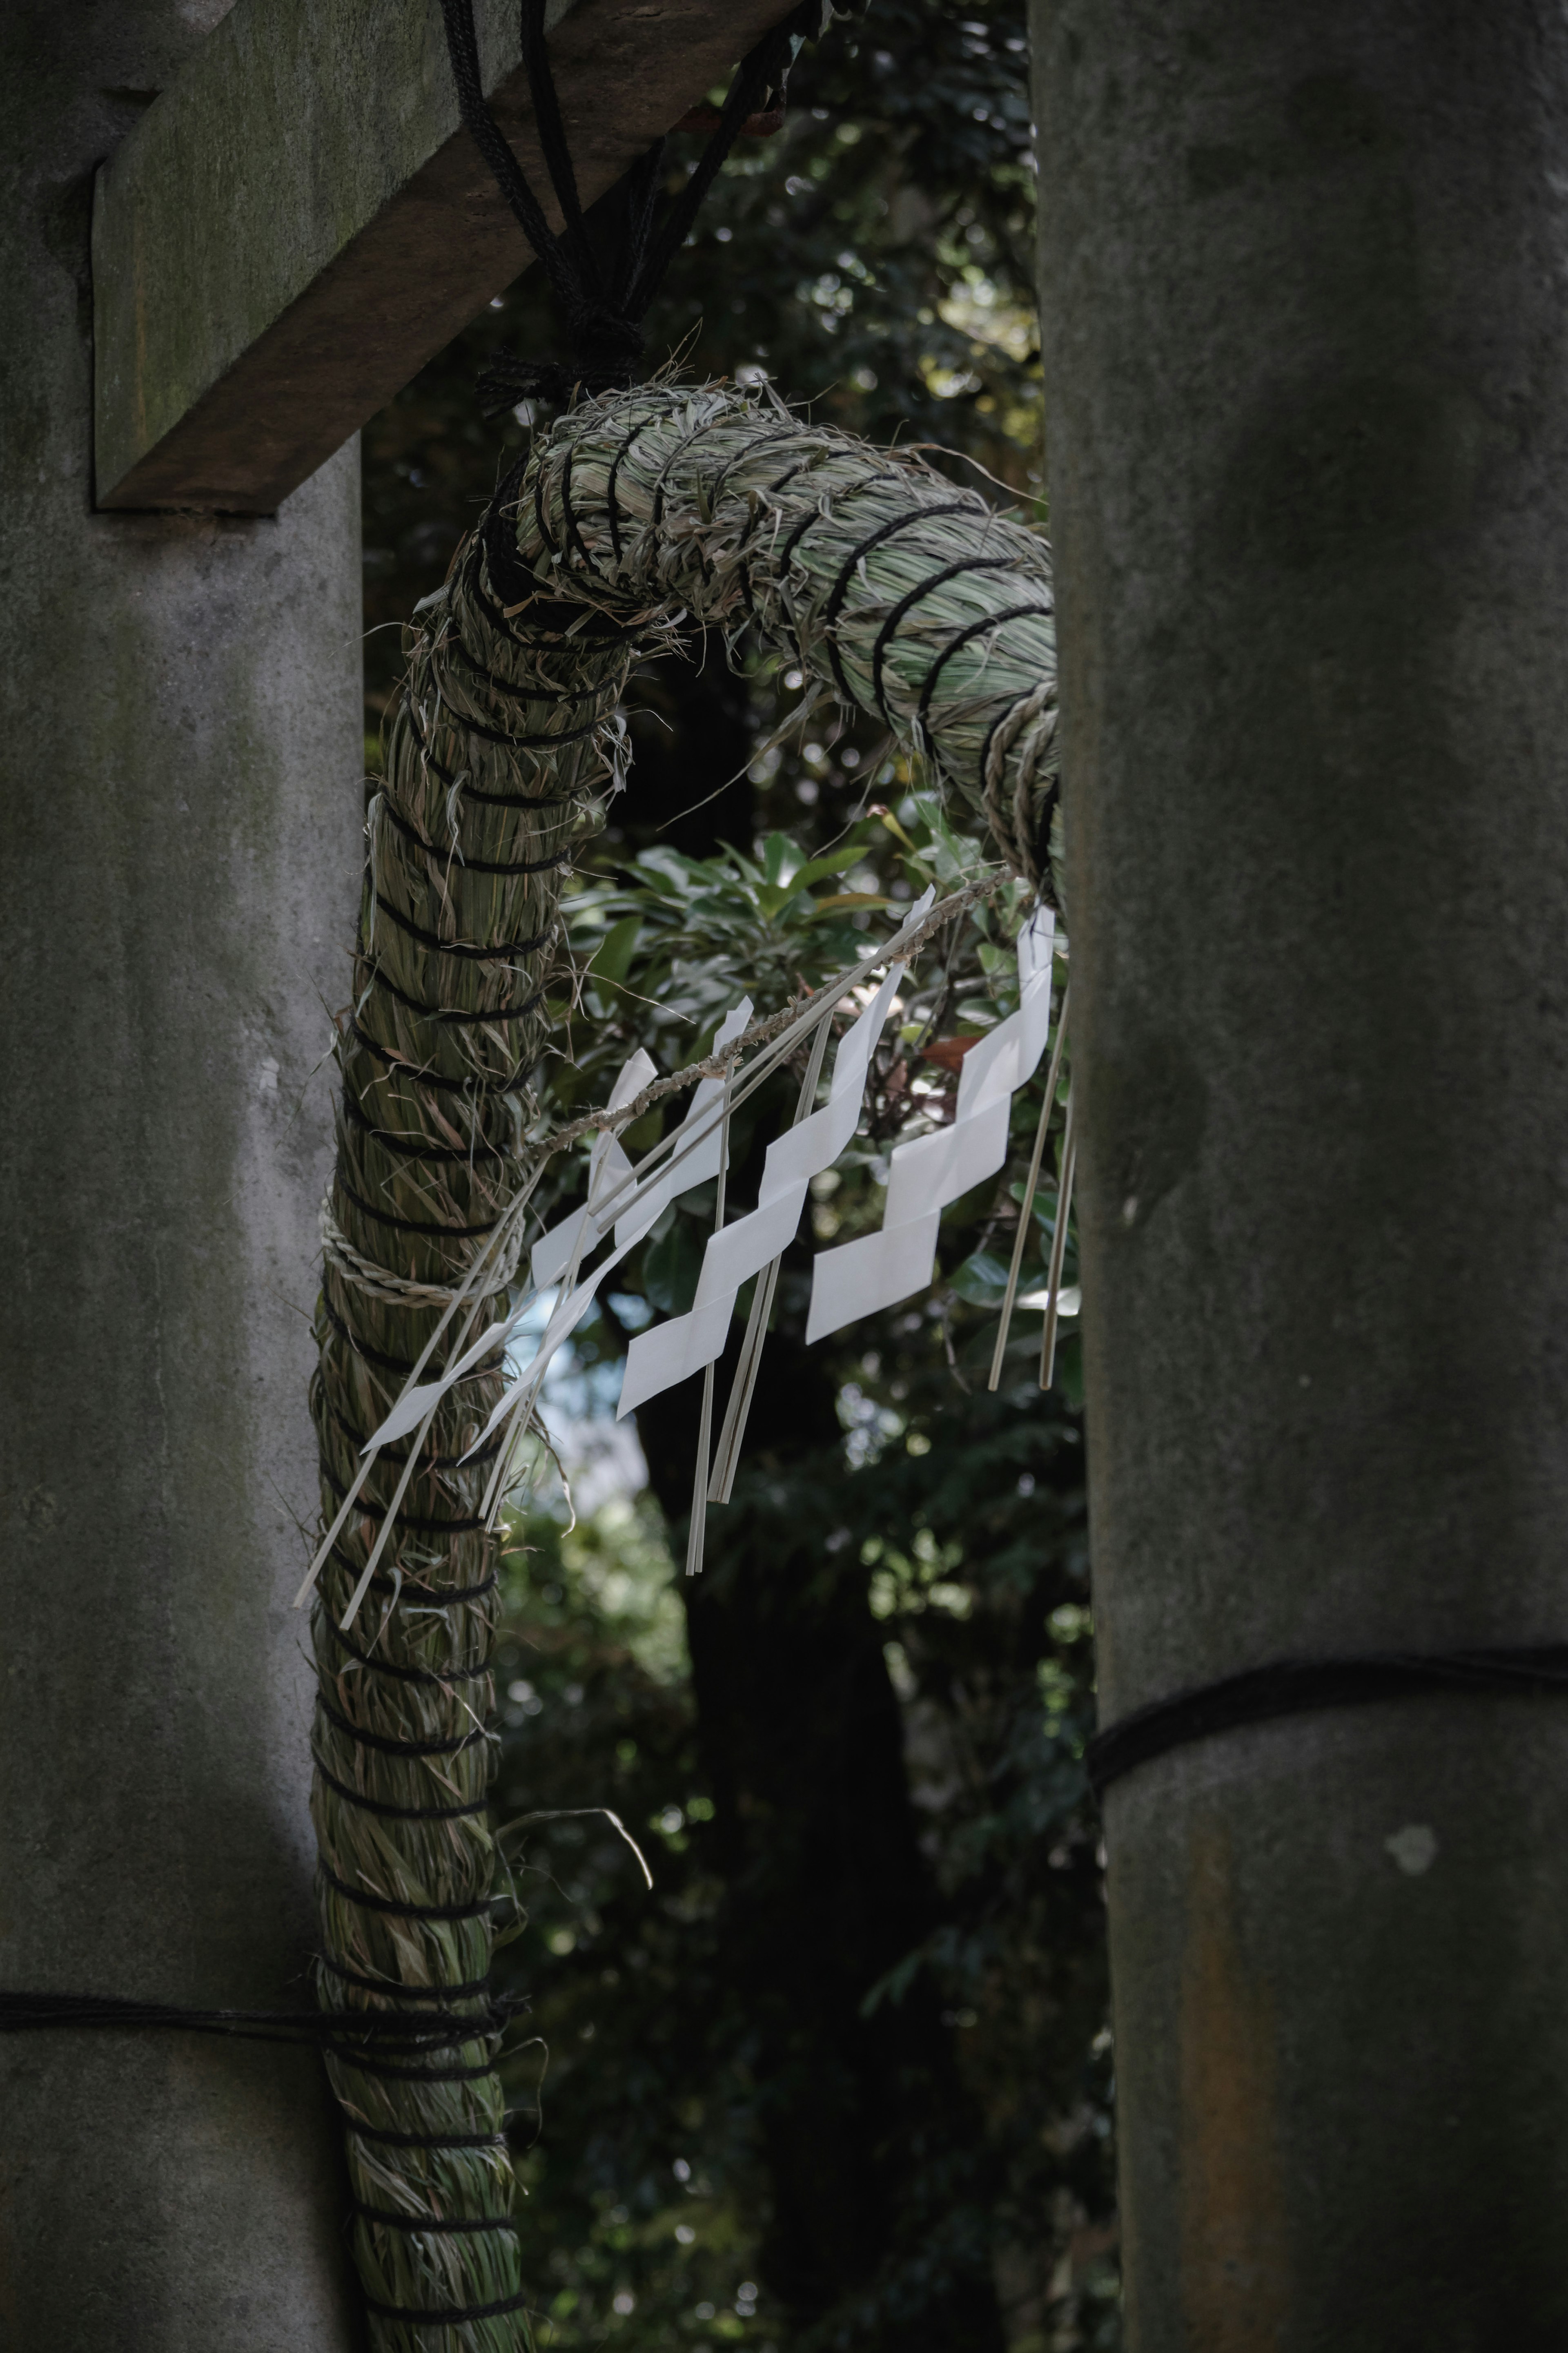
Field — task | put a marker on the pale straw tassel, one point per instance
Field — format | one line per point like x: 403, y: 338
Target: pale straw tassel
x: 472, y: 1294
x: 520, y: 1420
x: 1059, y: 1245
x: 1030, y: 1188
x: 694, y: 1542
x: 728, y: 1455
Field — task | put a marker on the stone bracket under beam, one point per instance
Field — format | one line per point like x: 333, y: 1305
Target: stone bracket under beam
x: 299, y: 221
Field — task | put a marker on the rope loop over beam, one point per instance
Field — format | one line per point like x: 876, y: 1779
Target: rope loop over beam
x: 639, y: 513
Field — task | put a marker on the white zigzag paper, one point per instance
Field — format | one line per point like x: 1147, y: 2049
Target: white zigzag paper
x: 567, y: 1245
x: 608, y: 1169
x: 925, y: 1176
x: 641, y: 1212
x: 658, y: 1358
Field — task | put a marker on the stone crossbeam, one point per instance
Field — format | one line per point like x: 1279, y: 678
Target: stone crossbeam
x: 299, y: 222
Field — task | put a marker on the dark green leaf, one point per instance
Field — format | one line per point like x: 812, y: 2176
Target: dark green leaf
x: 670, y: 1267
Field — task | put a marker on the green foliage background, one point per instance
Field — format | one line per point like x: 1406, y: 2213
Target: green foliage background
x: 705, y: 2050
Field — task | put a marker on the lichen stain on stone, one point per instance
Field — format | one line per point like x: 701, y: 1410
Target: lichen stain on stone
x: 1236, y: 2283
x: 1147, y: 1109
x: 139, y: 296
x: 1350, y: 469
x: 1413, y: 1848
x: 1327, y: 120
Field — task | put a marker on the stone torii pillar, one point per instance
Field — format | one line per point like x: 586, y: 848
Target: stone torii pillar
x: 1306, y: 357
x: 231, y: 236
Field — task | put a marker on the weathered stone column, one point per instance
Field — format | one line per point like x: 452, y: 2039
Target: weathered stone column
x: 181, y: 758
x: 1306, y: 355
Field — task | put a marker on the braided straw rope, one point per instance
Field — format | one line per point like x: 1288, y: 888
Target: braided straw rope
x: 895, y: 592
x: 381, y: 1284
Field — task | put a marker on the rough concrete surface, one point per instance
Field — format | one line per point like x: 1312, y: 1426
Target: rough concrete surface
x: 179, y: 816
x: 301, y: 222
x: 1306, y: 361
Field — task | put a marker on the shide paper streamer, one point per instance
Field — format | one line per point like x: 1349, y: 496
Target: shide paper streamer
x: 658, y: 1358
x: 928, y: 1174
x: 858, y: 1279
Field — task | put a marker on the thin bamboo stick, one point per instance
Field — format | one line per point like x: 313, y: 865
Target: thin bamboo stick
x: 1027, y: 1206
x: 739, y: 1406
x: 1058, y: 1247
x: 698, y: 1530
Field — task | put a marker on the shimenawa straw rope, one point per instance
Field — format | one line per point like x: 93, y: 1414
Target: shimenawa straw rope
x: 893, y: 591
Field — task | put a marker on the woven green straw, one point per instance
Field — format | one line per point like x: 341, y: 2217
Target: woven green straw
x: 894, y: 591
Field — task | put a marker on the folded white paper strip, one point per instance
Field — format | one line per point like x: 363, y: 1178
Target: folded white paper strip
x: 924, y: 1176
x: 643, y: 1210
x: 415, y: 1403
x: 608, y: 1169
x: 561, y: 1251
x: 750, y: 1246
x: 669, y: 1352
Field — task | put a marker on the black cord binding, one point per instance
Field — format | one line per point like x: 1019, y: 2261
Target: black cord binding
x: 395, y: 1989
x: 603, y: 307
x: 351, y: 1797
x: 397, y: 1748
x: 401, y: 1908
x: 423, y: 2140
x: 1293, y: 1686
x: 23, y: 2013
x: 452, y: 2316
x: 438, y: 2225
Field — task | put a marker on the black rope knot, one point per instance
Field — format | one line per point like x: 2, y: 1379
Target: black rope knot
x: 608, y: 351
x: 608, y: 343
x: 602, y: 309
x: 505, y: 380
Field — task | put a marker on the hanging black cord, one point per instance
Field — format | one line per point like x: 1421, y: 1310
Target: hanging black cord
x: 437, y: 2029
x: 463, y: 51
x: 553, y: 138
x: 1295, y: 1687
x: 603, y: 315
x: 764, y: 69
